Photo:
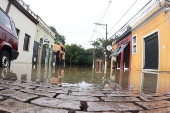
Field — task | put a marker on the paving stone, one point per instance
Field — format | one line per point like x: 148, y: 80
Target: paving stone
x: 146, y: 98
x: 24, y: 96
x: 122, y: 95
x: 43, y: 110
x: 42, y: 89
x: 26, y: 85
x: 89, y: 93
x: 166, y: 93
x: 73, y: 89
x: 57, y: 91
x: 57, y: 103
x: 14, y: 106
x: 1, y: 98
x: 9, y: 86
x: 154, y: 94
x: 160, y: 110
x: 154, y: 105
x: 106, y: 92
x: 94, y: 112
x: 57, y: 88
x: 18, y: 95
x: 8, y: 92
x: 42, y: 93
x: 120, y: 99
x: 2, y: 88
x: 77, y: 98
x: 109, y: 106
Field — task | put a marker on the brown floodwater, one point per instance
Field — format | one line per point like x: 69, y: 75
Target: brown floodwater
x: 85, y: 77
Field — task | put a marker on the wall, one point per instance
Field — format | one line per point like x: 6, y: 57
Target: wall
x: 4, y: 4
x: 26, y: 26
x: 158, y: 22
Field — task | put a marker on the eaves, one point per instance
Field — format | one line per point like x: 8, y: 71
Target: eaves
x: 24, y: 11
x: 149, y: 18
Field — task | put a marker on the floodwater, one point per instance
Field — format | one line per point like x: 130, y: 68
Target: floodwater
x: 85, y: 77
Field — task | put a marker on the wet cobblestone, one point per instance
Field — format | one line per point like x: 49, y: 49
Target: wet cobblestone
x: 154, y: 104
x: 57, y: 103
x: 18, y: 97
x: 42, y: 93
x: 120, y: 99
x: 109, y: 106
x: 78, y: 98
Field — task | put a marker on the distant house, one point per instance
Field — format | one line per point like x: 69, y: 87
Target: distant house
x: 59, y: 54
x: 99, y: 65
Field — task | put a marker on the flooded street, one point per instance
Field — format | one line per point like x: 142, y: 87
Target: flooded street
x: 85, y: 77
x: 37, y: 88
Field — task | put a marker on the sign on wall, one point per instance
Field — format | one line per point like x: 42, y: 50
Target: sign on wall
x: 46, y: 41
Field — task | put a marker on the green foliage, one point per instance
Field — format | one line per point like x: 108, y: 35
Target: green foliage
x: 76, y: 54
x: 59, y: 38
x: 100, y: 45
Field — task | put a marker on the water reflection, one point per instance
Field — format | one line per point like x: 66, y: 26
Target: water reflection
x: 85, y: 78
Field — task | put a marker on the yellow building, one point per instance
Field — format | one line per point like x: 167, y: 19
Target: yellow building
x: 150, y: 40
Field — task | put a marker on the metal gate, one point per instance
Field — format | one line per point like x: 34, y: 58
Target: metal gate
x: 35, y: 52
x: 43, y: 54
x: 151, y: 51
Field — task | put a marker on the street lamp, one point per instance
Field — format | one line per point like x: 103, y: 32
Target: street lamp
x: 105, y: 46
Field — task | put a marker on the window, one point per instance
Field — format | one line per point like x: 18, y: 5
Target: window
x: 18, y: 31
x: 26, y: 42
x: 134, y: 45
x: 5, y: 20
x: 13, y: 27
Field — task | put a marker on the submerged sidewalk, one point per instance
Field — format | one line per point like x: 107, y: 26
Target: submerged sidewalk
x: 26, y: 97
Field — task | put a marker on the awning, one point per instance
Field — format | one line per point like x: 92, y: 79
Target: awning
x: 120, y: 50
x: 114, y: 52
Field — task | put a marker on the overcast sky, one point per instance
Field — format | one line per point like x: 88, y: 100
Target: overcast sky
x: 75, y: 18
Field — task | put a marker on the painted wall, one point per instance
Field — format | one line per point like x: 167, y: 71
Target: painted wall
x: 136, y: 79
x: 4, y: 4
x: 26, y: 26
x: 163, y: 82
x: 158, y: 23
x: 40, y: 34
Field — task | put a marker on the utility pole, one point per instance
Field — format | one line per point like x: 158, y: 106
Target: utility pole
x: 105, y: 53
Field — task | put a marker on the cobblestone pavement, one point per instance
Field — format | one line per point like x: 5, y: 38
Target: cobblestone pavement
x: 26, y: 97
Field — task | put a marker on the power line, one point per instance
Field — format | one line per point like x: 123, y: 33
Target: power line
x: 133, y: 18
x: 102, y: 17
x: 123, y: 15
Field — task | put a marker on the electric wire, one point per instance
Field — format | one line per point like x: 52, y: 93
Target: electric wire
x: 134, y: 18
x: 123, y: 15
x: 102, y: 17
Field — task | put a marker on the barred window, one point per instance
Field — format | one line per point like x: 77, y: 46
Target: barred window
x: 26, y: 42
x: 134, y: 45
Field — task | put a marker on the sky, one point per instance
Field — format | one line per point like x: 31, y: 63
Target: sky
x: 75, y: 19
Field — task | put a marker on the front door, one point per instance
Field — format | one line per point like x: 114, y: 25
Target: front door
x: 151, y: 52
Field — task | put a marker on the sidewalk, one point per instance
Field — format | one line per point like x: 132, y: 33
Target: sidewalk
x: 17, y: 97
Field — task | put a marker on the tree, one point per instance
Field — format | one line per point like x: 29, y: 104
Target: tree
x: 77, y: 55
x: 59, y: 38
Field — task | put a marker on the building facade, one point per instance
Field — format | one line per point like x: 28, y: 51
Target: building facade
x: 43, y: 44
x: 147, y: 42
x: 25, y: 22
x: 36, y: 40
x: 151, y: 35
